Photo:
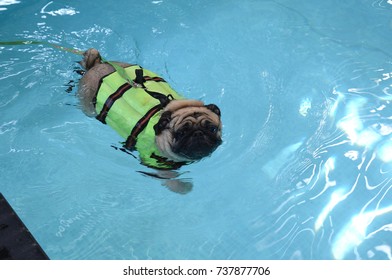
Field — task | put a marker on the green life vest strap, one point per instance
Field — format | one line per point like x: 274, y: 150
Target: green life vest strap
x: 140, y: 125
x: 110, y: 101
x: 143, y: 122
x: 169, y: 164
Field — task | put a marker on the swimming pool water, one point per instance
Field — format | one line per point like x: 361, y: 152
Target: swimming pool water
x: 305, y: 168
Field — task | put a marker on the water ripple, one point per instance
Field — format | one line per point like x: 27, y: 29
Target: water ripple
x: 340, y: 182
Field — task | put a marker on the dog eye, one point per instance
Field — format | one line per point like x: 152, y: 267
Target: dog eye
x: 212, y: 128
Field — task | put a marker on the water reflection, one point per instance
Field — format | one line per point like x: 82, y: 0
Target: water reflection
x: 6, y: 3
x: 355, y: 232
x: 353, y: 126
x: 337, y: 187
x: 69, y: 11
x: 336, y: 197
x: 369, y: 134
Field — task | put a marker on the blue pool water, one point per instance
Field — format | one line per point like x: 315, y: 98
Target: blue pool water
x: 305, y: 170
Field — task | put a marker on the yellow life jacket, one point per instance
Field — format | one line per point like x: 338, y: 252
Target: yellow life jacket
x: 132, y: 109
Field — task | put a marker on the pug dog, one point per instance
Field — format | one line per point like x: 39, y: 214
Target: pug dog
x: 166, y: 129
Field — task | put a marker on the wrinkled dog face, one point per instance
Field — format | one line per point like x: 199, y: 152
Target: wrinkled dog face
x: 197, y: 133
x: 189, y: 133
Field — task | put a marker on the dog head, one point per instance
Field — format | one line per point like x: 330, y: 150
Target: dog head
x: 188, y: 130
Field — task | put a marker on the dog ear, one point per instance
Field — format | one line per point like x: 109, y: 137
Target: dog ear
x: 214, y: 109
x: 162, y: 123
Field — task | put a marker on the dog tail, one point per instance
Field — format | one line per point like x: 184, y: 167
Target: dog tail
x: 91, y: 57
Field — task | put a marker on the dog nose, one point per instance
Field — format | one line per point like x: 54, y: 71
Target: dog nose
x: 198, y: 134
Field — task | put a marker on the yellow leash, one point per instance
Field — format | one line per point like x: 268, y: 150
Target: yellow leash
x: 117, y: 67
x: 15, y: 43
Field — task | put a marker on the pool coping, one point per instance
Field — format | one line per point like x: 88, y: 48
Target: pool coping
x: 16, y: 241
